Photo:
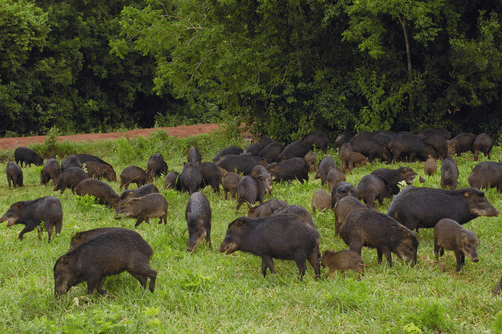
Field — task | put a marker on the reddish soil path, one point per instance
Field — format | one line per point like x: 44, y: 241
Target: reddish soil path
x: 179, y: 131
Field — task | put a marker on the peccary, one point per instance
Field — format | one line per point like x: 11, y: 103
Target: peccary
x: 343, y: 138
x: 100, y: 190
x: 326, y: 164
x: 486, y: 174
x: 296, y: 149
x: 280, y: 237
x: 371, y: 149
x: 70, y: 179
x: 148, y: 188
x: 342, y: 261
x: 410, y: 146
x: 106, y: 254
x: 341, y: 190
x: 334, y: 177
x: 191, y: 178
x: 461, y: 143
x: 212, y: 175
x: 449, y: 173
x: 251, y: 189
x: 194, y: 155
x: 51, y: 171
x: 270, y: 152
x: 342, y: 209
x: 266, y: 209
x: 31, y: 213
x: 266, y: 140
x: 294, y: 168
x: 430, y: 167
x: 198, y: 217
x: 143, y: 208
x: 14, y: 174
x: 311, y: 160
x: 371, y: 228
x: 84, y: 157
x: 81, y: 237
x: 229, y: 183
x: 372, y: 187
x: 172, y: 181
x: 70, y: 161
x: 133, y: 174
x: 156, y: 166
x: 424, y: 207
x: 240, y: 163
x: 482, y: 143
x: 317, y: 138
x: 100, y: 170
x: 231, y: 150
x: 347, y: 157
x: 321, y: 200
x: 303, y: 215
x: 359, y: 159
x: 434, y: 131
x: 394, y: 176
x: 449, y: 235
x: 28, y: 156
x: 439, y: 143
x: 254, y: 149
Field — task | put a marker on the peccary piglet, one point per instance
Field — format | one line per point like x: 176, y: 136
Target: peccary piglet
x: 156, y: 166
x: 31, y: 213
x: 430, y: 167
x: 194, y: 155
x: 70, y: 161
x: 198, y: 218
x: 28, y: 156
x: 250, y: 189
x: 334, y: 177
x: 51, y: 171
x: 191, y: 178
x: 449, y: 173
x: 106, y: 254
x: 359, y: 159
x: 371, y: 188
x: 266, y: 209
x: 100, y: 190
x: 346, y: 155
x: 281, y: 237
x: 100, y: 170
x: 143, y: 208
x: 133, y: 174
x: 449, y: 235
x: 342, y: 190
x: 139, y: 192
x: 326, y: 164
x: 342, y: 209
x: 342, y: 261
x: 70, y: 179
x: 311, y: 160
x: 229, y: 183
x: 321, y: 200
x: 14, y: 174
x: 482, y: 143
x: 81, y: 237
x: 172, y: 181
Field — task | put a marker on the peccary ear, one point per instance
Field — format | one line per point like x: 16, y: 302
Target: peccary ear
x: 64, y: 259
x: 238, y: 223
x: 17, y: 205
x: 464, y: 236
x: 468, y: 194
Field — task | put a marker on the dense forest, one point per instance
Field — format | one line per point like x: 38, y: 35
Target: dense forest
x: 286, y: 67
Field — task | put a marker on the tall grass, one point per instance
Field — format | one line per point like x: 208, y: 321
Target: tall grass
x: 212, y: 292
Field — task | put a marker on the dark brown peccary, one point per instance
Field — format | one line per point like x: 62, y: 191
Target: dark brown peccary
x: 342, y: 261
x: 434, y: 131
x: 267, y: 208
x: 303, y: 215
x: 486, y: 174
x: 251, y: 189
x: 100, y: 170
x: 240, y: 164
x: 296, y: 149
x: 382, y: 138
x: 148, y: 188
x: 31, y: 213
x: 276, y: 237
x: 343, y: 138
x: 430, y: 167
x: 359, y: 159
x: 394, y: 176
x: 191, y: 178
x: 449, y: 235
x: 172, y: 181
x: 341, y: 190
x: 106, y: 254
x: 407, y: 145
x: 70, y: 179
x: 81, y: 237
x: 270, y: 152
x: 254, y: 149
x: 371, y: 149
x: 14, y: 174
x: 28, y: 156
x: 212, y: 175
x: 325, y: 165
x: 449, y: 173
x: 84, y: 157
x: 321, y: 200
x: 133, y: 174
x: 70, y: 161
x: 156, y: 166
x: 482, y: 143
x: 371, y: 228
x: 439, y: 143
x: 194, y: 155
x: 423, y: 207
x: 342, y: 209
x: 318, y: 139
x: 461, y: 143
x: 229, y: 183
x: 334, y: 177
x: 104, y: 194
x: 294, y: 168
x: 143, y: 208
x: 51, y: 171
x: 231, y: 150
x: 266, y: 140
x: 311, y: 160
x: 346, y: 155
x: 372, y: 187
x: 198, y: 218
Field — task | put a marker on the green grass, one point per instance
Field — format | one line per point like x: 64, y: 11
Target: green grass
x: 212, y: 292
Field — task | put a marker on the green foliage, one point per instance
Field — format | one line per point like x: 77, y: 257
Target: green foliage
x: 431, y: 316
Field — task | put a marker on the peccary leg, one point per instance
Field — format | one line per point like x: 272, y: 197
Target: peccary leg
x: 379, y: 255
x: 101, y: 282
x: 458, y: 256
x: 386, y: 252
x: 26, y: 229
x: 313, y: 259
x: 267, y: 262
x: 300, y: 263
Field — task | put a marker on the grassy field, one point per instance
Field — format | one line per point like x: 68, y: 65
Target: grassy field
x: 211, y: 292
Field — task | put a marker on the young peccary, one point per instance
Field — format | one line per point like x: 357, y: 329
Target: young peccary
x: 430, y: 167
x: 342, y: 209
x: 156, y: 166
x: 311, y: 160
x: 70, y: 178
x: 143, y: 208
x: 100, y: 190
x: 51, y: 171
x: 321, y: 200
x: 198, y: 217
x: 342, y: 261
x: 133, y: 174
x: 229, y: 183
x: 449, y: 235
x: 449, y: 173
x: 14, y: 174
x: 266, y: 209
x: 106, y: 254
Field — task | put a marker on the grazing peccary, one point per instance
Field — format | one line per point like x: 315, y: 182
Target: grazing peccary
x: 231, y: 150
x: 172, y: 181
x: 240, y: 163
x: 81, y: 237
x: 359, y: 159
x: 266, y: 209
x: 84, y: 157
x: 229, y: 183
x: 407, y: 145
x: 326, y: 164
x: 449, y: 173
x: 100, y: 190
x: 461, y: 143
x: 371, y: 149
x: 198, y: 217
x: 372, y: 187
x: 31, y: 213
x: 100, y: 170
x: 449, y: 235
x: 439, y: 143
x: 70, y: 161
x: 70, y: 179
x: 156, y: 166
x: 296, y: 149
x: 298, y: 211
x: 317, y: 138
x: 342, y: 209
x: 143, y: 208
x: 371, y: 228
x: 341, y: 190
x: 266, y: 140
x: 283, y: 237
x: 311, y: 160
x: 191, y: 178
x: 394, y: 176
x: 212, y: 175
x: 424, y: 207
x: 342, y: 261
x: 28, y: 156
x: 321, y: 200
x: 254, y: 149
x: 430, y: 167
x: 486, y: 174
x: 148, y: 188
x: 343, y: 138
x: 194, y: 155
x: 51, y: 171
x: 347, y: 157
x: 251, y: 189
x: 482, y: 143
x: 334, y: 177
x: 270, y: 152
x: 106, y: 254
x: 434, y: 131
x: 14, y: 174
x: 133, y: 174
x: 294, y: 168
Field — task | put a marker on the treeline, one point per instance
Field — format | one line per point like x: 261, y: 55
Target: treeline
x: 287, y: 68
